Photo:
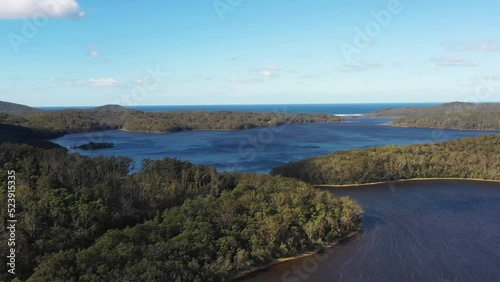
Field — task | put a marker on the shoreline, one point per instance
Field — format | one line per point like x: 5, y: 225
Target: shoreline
x: 441, y: 128
x: 324, y: 247
x: 404, y: 180
x: 225, y: 130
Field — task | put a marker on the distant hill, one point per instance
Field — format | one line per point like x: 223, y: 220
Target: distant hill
x: 455, y: 115
x: 13, y: 108
x: 443, y: 108
x: 111, y: 117
x: 111, y: 108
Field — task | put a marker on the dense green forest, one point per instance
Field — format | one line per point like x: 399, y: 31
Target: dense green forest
x: 117, y: 117
x: 24, y: 135
x: 477, y: 157
x: 455, y: 115
x: 94, y: 146
x: 88, y: 219
x: 6, y: 107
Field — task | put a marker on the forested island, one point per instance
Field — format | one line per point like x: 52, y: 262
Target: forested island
x: 94, y: 146
x: 117, y: 117
x: 477, y: 157
x: 87, y: 219
x: 455, y: 115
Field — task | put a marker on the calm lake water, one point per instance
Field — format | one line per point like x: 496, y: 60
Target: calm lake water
x: 260, y: 149
x: 413, y: 231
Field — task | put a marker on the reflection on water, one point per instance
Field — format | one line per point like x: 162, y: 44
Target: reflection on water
x: 413, y: 231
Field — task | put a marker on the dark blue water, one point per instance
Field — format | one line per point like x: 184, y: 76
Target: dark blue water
x: 260, y: 149
x: 297, y: 108
x: 444, y: 231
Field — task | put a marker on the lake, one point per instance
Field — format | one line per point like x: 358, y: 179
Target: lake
x: 413, y: 231
x: 260, y: 149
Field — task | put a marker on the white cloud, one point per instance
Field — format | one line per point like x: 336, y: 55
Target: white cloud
x: 92, y: 50
x: 266, y: 73
x: 94, y: 53
x: 269, y: 71
x: 488, y: 77
x: 452, y: 62
x: 100, y: 82
x: 488, y: 48
x: 243, y: 80
x: 360, y: 66
x: 19, y: 9
x: 464, y: 46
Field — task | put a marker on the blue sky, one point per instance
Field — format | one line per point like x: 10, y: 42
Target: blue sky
x: 182, y: 52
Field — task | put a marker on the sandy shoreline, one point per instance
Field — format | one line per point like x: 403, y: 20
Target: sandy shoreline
x: 282, y: 260
x: 403, y: 180
x: 441, y: 128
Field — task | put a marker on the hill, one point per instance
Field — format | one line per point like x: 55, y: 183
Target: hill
x: 7, y: 107
x: 117, y: 117
x: 455, y: 115
x: 477, y: 157
x: 111, y: 108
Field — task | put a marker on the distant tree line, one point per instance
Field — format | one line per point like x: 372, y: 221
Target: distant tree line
x: 477, y: 157
x: 93, y: 146
x: 455, y: 115
x: 479, y: 120
x: 116, y: 117
x: 89, y: 219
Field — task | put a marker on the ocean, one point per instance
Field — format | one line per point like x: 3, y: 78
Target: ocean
x: 355, y: 108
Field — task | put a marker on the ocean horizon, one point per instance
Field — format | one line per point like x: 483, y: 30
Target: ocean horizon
x: 341, y: 108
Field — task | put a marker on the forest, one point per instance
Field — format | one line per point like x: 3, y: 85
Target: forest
x: 89, y: 219
x: 94, y: 146
x: 477, y: 157
x: 116, y: 117
x: 455, y: 115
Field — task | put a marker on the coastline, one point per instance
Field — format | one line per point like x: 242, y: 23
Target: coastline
x: 324, y: 247
x: 256, y: 127
x: 403, y: 180
x: 441, y: 128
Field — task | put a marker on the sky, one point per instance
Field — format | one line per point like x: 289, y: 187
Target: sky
x: 194, y: 52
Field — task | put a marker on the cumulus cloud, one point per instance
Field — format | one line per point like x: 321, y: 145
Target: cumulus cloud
x: 19, y: 9
x: 93, y: 82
